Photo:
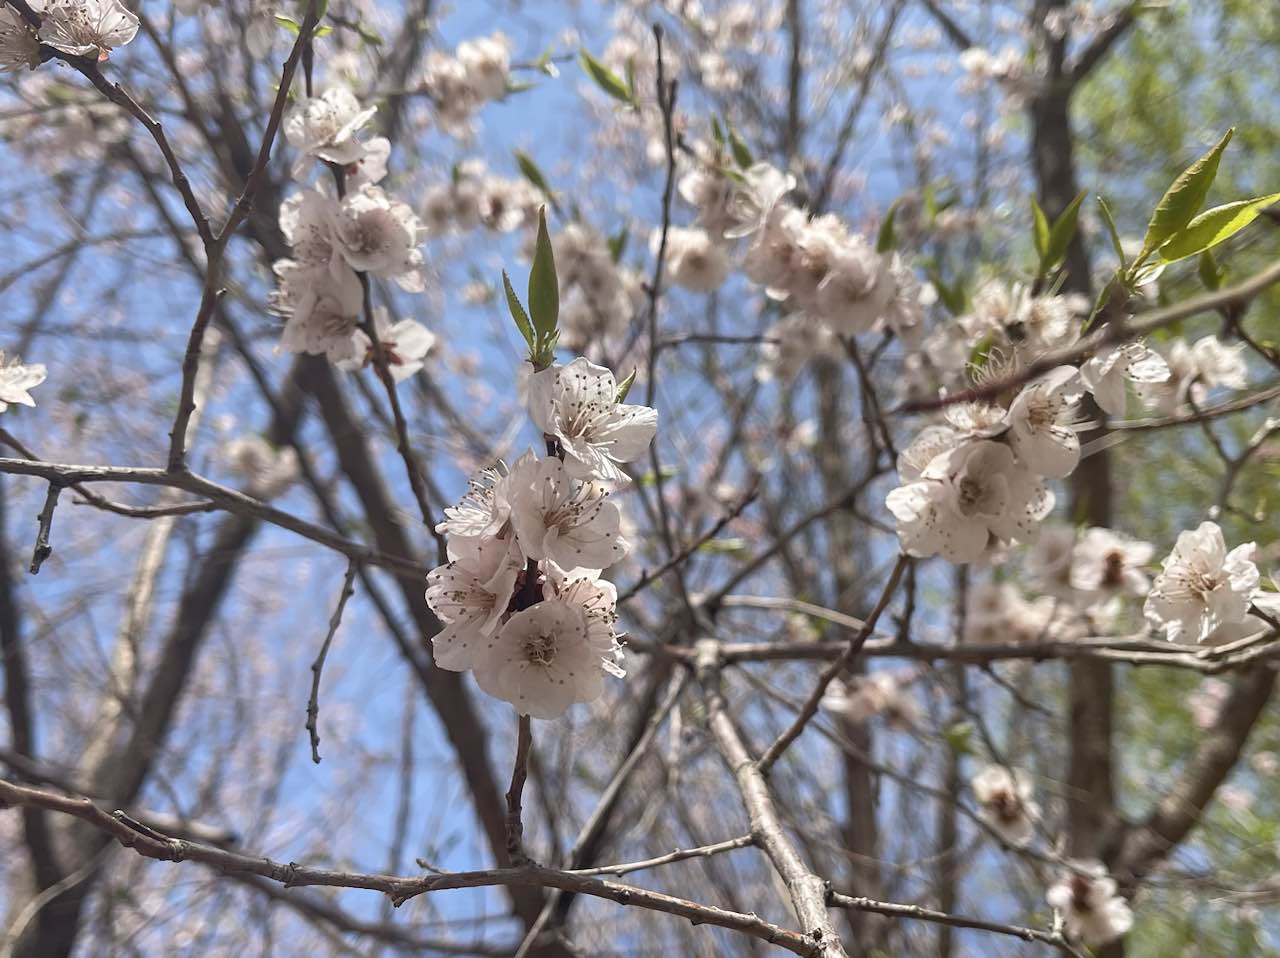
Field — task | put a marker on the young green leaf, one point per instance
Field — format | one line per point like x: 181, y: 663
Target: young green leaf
x: 287, y: 22
x: 322, y: 31
x: 717, y: 134
x: 741, y: 155
x: 1061, y: 233
x: 606, y: 79
x: 624, y: 387
x: 618, y: 245
x: 1185, y: 196
x: 1112, y: 231
x: 544, y: 287
x: 517, y: 312
x: 1039, y: 229
x: 534, y: 175
x: 1209, y: 270
x: 1213, y: 226
x: 885, y: 239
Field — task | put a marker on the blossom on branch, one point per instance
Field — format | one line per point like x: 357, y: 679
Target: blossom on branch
x: 87, y: 28
x: 1202, y: 586
x: 1091, y: 909
x: 16, y: 379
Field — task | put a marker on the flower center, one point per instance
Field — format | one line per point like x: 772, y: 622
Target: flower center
x: 540, y: 648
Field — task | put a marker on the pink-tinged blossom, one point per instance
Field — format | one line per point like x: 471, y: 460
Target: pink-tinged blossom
x: 378, y: 234
x: 1202, y: 586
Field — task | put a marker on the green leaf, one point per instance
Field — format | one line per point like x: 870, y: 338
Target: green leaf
x: 1184, y: 197
x: 741, y: 155
x: 517, y: 312
x: 885, y: 239
x: 951, y: 296
x: 322, y: 8
x: 322, y: 31
x: 1112, y: 231
x: 288, y: 23
x: 534, y: 175
x: 717, y: 134
x: 544, y: 288
x: 1064, y: 228
x: 1210, y: 272
x: 618, y: 245
x: 624, y: 387
x: 1213, y: 226
x: 517, y: 86
x: 606, y: 79
x: 1040, y: 229
x: 958, y: 736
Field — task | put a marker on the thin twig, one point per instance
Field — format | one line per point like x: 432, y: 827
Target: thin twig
x: 43, y: 549
x: 317, y: 667
x: 854, y: 646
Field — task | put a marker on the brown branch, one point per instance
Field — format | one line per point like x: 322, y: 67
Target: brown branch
x: 153, y: 844
x: 1117, y: 331
x: 317, y: 667
x: 227, y: 498
x: 1100, y: 45
x: 516, y: 856
x: 917, y: 913
x: 807, y: 891
x: 43, y: 549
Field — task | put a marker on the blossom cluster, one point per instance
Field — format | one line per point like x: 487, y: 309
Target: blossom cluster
x: 474, y: 197
x: 522, y: 598
x: 831, y: 281
x: 478, y: 71
x: 341, y: 234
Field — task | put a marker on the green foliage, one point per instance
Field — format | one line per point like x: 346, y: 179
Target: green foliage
x: 538, y: 327
x: 885, y: 239
x: 1184, y: 197
x: 608, y: 81
x: 534, y: 175
x: 1213, y: 226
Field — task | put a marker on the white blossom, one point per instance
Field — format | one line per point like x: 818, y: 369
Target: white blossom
x: 1005, y: 803
x: 323, y: 309
x: 1107, y: 562
x: 378, y: 234
x: 1202, y: 586
x: 578, y: 405
x: 16, y: 379
x: 87, y: 28
x: 573, y: 523
x: 268, y: 471
x: 486, y: 62
x: 1091, y: 909
x: 19, y: 46
x: 484, y: 509
x: 546, y: 658
x: 1038, y: 419
x: 857, y: 287
x: 470, y: 594
x: 404, y: 346
x: 325, y: 127
x: 695, y: 262
x: 876, y: 694
x: 965, y: 498
x: 1106, y: 373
